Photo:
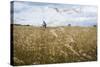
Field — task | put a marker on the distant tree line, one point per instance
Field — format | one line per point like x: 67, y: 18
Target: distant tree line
x: 69, y: 25
x: 20, y: 25
x: 94, y: 25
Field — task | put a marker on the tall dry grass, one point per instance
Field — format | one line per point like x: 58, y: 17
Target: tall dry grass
x: 34, y: 45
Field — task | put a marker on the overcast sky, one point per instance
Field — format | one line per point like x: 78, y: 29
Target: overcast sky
x: 34, y: 13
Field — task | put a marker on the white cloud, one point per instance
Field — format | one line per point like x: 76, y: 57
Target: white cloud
x: 33, y: 14
x: 92, y: 9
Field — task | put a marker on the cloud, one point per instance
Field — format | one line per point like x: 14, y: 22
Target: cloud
x: 34, y: 14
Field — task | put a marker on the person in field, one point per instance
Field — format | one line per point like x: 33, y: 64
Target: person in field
x: 44, y: 24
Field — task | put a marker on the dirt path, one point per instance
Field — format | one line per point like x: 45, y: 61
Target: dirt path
x: 62, y: 29
x: 53, y: 32
x: 71, y: 48
x: 68, y: 38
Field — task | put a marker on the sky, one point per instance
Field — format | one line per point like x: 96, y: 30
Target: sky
x: 33, y: 13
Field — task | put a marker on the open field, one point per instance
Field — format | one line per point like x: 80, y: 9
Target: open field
x: 35, y: 45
